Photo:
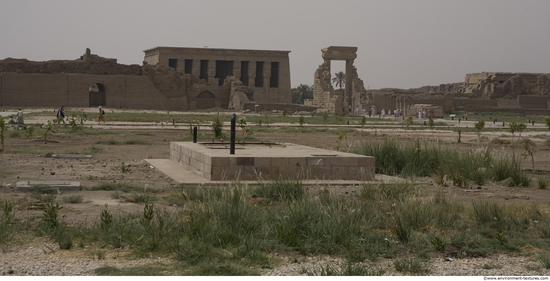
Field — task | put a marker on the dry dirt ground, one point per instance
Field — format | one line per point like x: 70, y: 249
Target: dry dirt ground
x: 26, y: 160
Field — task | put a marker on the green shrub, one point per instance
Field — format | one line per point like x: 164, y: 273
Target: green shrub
x: 542, y: 182
x: 73, y: 199
x: 217, y: 127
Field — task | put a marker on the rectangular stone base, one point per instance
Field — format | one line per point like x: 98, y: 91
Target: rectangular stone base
x: 63, y: 186
x: 270, y: 161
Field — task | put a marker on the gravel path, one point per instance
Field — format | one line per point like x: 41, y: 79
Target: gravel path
x: 43, y: 258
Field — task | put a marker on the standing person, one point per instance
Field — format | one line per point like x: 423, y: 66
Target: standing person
x: 356, y: 110
x: 349, y: 107
x: 20, y: 117
x: 101, y: 113
x: 60, y: 115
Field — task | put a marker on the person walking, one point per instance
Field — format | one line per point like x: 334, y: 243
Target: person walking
x: 20, y: 117
x: 60, y: 115
x: 101, y: 113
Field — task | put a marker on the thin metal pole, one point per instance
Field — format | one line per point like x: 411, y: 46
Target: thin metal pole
x: 194, y: 134
x: 232, y: 145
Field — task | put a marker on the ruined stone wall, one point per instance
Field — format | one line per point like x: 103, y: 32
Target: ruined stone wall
x: 534, y: 102
x: 86, y: 64
x: 480, y: 102
x: 34, y: 89
x: 125, y: 91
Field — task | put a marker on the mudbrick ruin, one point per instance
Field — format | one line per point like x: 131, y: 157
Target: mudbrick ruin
x: 201, y: 78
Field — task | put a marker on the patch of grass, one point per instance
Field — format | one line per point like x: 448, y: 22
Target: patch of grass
x: 73, y: 199
x: 448, y: 165
x: 8, y: 227
x: 348, y: 269
x: 281, y: 190
x: 124, y: 187
x: 544, y: 260
x: 491, y: 266
x: 413, y: 266
x: 93, y: 149
x: 15, y: 135
x: 144, y: 134
x: 125, y: 142
x: 542, y: 182
x: 108, y: 142
x: 135, y: 141
x: 155, y: 269
x: 138, y: 198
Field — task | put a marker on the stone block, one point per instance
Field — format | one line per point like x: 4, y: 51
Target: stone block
x: 245, y: 161
x: 297, y: 161
x: 339, y: 170
x: 268, y: 172
x: 365, y: 161
x: 262, y: 162
x: 333, y: 161
x: 279, y: 161
x: 349, y: 161
x: 315, y: 161
x: 219, y: 161
x: 321, y: 172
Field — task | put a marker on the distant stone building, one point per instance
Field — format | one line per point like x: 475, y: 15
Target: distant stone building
x: 264, y: 75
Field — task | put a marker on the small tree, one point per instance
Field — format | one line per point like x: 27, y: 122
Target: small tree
x: 547, y: 122
x: 244, y: 126
x: 49, y: 128
x: 363, y: 121
x: 217, y: 127
x: 409, y: 122
x: 2, y: 132
x: 529, y: 151
x: 517, y: 127
x: 431, y: 124
x: 479, y: 128
x: 342, y: 136
x: 302, y: 120
x: 286, y: 112
x: 459, y: 131
x: 325, y: 118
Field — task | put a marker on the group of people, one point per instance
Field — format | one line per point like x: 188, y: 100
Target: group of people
x: 61, y: 115
x: 18, y: 120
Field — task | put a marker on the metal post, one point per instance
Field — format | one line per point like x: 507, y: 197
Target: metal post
x: 232, y: 145
x: 194, y: 134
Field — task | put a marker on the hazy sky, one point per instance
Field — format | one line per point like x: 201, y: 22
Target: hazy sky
x: 402, y: 44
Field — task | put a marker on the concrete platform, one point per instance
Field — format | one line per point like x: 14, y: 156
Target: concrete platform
x: 186, y: 177
x: 63, y: 186
x: 267, y: 161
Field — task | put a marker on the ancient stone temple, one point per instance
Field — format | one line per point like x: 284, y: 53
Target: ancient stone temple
x: 228, y: 77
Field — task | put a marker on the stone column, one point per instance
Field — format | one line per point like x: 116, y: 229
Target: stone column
x: 252, y: 74
x: 267, y: 74
x: 237, y: 69
x: 349, y: 86
x: 212, y: 73
x: 196, y: 69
